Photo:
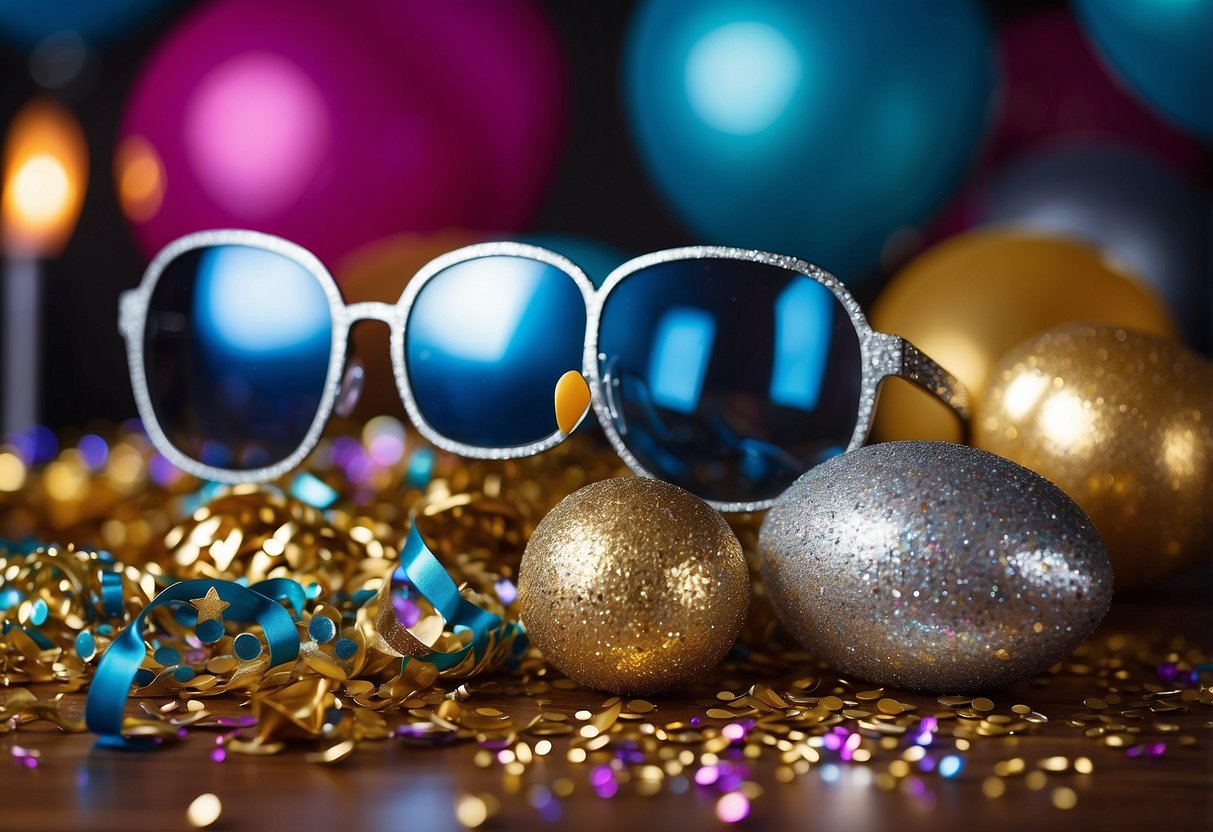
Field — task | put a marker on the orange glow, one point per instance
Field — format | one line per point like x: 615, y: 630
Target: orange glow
x: 140, y: 177
x: 45, y: 175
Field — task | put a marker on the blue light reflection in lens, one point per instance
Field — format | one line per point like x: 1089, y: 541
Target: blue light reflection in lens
x: 681, y: 351
x: 485, y: 343
x: 258, y: 303
x: 802, y: 344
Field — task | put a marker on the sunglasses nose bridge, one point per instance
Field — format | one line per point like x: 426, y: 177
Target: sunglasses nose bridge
x: 371, y: 310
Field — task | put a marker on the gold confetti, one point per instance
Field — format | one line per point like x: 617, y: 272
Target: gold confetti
x: 204, y: 811
x: 993, y: 787
x: 511, y: 722
x: 471, y: 811
x: 1064, y: 797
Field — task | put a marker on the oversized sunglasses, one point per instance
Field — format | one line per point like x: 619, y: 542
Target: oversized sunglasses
x: 726, y: 371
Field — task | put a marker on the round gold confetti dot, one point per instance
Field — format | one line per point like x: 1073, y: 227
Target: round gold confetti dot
x: 1064, y: 798
x: 831, y: 703
x: 889, y: 706
x: 471, y: 811
x: 1036, y: 780
x: 993, y: 787
x: 641, y: 706
x: 204, y: 811
x: 1009, y: 768
x: 982, y: 704
x: 1095, y: 703
x: 1054, y: 763
x: 1083, y: 765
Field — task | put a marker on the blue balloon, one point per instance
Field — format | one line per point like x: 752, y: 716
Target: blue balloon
x: 1164, y: 50
x: 26, y: 23
x: 808, y: 127
x: 1129, y: 205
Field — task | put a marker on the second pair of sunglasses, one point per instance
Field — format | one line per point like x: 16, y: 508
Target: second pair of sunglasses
x: 726, y: 371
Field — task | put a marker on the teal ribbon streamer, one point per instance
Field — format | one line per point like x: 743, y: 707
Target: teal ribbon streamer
x: 434, y: 583
x: 283, y: 589
x: 106, y: 704
x: 112, y: 603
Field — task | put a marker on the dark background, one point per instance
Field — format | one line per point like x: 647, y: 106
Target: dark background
x: 600, y: 191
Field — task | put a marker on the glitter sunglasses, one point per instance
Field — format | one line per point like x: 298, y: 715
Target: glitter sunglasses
x: 726, y: 371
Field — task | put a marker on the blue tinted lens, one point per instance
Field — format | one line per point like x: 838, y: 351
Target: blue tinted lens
x: 727, y: 377
x: 237, y: 348
x: 485, y: 343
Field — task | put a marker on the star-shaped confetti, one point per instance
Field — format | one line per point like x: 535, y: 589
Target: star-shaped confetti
x: 210, y: 607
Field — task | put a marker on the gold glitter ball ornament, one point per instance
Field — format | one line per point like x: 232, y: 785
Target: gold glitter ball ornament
x: 633, y: 585
x: 971, y: 298
x: 1123, y: 423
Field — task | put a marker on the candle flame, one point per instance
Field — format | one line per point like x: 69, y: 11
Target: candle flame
x: 45, y: 174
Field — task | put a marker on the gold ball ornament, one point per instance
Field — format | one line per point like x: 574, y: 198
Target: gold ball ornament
x: 1123, y: 423
x: 968, y: 300
x: 633, y: 585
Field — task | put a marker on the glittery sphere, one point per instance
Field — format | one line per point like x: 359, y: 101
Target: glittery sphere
x: 1123, y: 422
x: 933, y: 566
x: 633, y: 585
x: 969, y: 299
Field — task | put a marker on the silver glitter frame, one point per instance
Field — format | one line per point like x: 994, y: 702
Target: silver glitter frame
x: 883, y: 355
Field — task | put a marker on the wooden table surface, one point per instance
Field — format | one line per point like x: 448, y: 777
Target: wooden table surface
x: 390, y: 785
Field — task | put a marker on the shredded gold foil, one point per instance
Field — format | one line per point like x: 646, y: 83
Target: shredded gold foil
x: 768, y: 704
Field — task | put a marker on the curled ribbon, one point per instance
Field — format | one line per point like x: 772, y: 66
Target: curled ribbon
x: 106, y: 704
x: 455, y: 614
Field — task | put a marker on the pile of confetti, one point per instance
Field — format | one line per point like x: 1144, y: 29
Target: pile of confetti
x: 129, y: 526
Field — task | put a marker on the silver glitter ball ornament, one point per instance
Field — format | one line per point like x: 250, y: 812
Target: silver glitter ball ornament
x: 933, y: 566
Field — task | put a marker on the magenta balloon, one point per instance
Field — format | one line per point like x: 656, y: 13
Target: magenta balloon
x: 279, y: 116
x: 501, y: 62
x: 1054, y: 87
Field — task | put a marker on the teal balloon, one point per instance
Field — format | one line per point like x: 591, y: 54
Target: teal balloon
x: 809, y: 127
x: 1163, y: 49
x: 26, y: 23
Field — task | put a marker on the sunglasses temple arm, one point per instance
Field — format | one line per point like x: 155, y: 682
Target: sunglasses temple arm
x: 921, y: 369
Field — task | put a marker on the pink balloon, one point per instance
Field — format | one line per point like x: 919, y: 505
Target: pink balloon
x: 1056, y: 88
x: 501, y: 62
x: 338, y: 125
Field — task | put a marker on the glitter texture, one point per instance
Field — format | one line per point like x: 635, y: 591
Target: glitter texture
x: 1123, y: 422
x: 933, y: 566
x: 633, y: 585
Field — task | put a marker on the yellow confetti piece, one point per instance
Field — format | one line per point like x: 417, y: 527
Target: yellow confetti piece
x: 204, y: 811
